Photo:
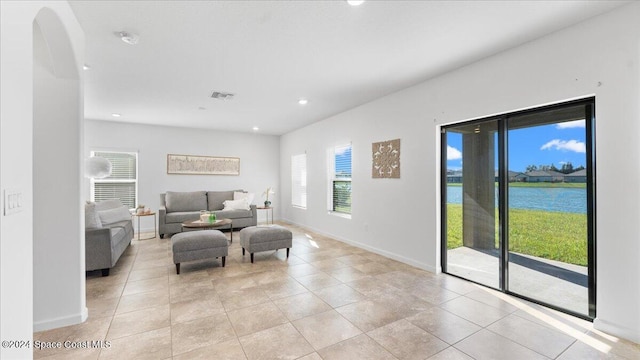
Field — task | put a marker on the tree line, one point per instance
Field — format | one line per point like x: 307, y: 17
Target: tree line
x: 567, y: 168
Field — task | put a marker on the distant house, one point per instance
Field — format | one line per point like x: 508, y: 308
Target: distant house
x: 521, y: 177
x: 454, y: 176
x: 544, y: 176
x: 513, y: 176
x: 579, y: 176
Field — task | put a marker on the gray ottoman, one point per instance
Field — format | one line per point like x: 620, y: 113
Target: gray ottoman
x: 197, y: 245
x: 265, y: 238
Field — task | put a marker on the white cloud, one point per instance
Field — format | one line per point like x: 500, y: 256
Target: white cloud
x: 565, y: 145
x: 453, y: 153
x: 571, y: 124
x: 341, y: 150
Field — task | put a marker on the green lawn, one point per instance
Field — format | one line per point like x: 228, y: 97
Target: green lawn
x: 550, y: 235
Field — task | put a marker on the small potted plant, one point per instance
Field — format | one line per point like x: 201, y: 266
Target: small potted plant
x: 269, y: 190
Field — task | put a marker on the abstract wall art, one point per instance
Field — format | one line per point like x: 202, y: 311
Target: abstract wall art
x: 386, y: 159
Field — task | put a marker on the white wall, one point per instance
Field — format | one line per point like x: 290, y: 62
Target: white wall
x: 259, y: 159
x: 58, y: 251
x: 401, y: 218
x: 17, y: 249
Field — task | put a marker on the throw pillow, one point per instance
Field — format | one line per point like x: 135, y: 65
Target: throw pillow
x: 114, y: 215
x: 237, y: 195
x: 91, y: 217
x: 241, y: 204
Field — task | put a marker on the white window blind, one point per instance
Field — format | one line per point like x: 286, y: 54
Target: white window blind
x: 122, y: 183
x: 341, y: 180
x: 299, y: 180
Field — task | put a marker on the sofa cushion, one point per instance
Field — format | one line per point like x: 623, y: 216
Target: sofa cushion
x: 114, y: 215
x: 186, y: 201
x: 181, y: 216
x: 108, y: 204
x: 217, y: 198
x: 91, y: 217
x: 233, y: 214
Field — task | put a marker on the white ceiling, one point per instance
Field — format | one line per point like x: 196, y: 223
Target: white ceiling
x: 271, y: 53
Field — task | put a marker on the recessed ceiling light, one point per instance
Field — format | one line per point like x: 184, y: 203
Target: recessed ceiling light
x: 255, y: 128
x: 355, y: 2
x: 129, y: 38
x: 303, y: 101
x: 86, y: 67
x: 116, y: 115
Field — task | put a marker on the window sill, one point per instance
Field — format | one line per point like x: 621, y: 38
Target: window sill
x: 339, y: 214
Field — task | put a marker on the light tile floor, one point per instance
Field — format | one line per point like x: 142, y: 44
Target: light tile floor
x: 329, y: 300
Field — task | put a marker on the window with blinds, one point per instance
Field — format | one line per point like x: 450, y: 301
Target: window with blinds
x: 122, y: 183
x: 341, y: 180
x: 299, y: 180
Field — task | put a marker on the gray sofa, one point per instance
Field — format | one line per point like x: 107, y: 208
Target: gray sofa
x: 105, y: 241
x: 178, y: 207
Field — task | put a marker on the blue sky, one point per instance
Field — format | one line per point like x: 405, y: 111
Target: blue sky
x: 343, y: 160
x: 540, y: 145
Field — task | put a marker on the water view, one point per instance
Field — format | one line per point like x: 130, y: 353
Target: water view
x: 571, y: 200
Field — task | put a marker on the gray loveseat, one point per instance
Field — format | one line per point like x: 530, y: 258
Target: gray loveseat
x: 178, y: 207
x: 108, y: 233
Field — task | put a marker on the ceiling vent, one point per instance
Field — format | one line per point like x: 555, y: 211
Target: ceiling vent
x: 222, y: 95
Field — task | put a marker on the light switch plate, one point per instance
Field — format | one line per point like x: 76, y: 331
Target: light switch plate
x: 13, y: 201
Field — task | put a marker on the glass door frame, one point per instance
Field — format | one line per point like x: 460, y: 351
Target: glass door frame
x: 503, y: 200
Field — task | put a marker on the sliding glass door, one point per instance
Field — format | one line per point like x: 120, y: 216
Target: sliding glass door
x: 473, y: 246
x: 547, y: 209
x: 518, y: 204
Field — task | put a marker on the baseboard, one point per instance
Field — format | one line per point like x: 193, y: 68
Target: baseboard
x: 394, y: 256
x: 360, y: 245
x: 617, y: 330
x: 61, y: 321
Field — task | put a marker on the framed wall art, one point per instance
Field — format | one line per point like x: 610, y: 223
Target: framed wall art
x: 202, y: 165
x: 385, y: 159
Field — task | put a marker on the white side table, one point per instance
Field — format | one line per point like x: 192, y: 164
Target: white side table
x: 155, y: 224
x: 267, y: 208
